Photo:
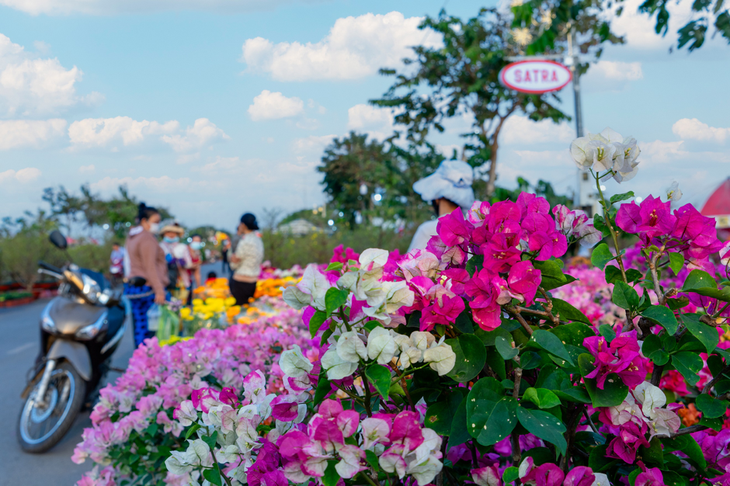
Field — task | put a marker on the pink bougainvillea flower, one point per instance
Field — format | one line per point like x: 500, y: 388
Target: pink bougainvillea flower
x: 285, y: 408
x: 622, y: 357
x: 625, y: 445
x: 523, y: 281
x: 484, y: 294
x: 375, y: 431
x: 501, y: 252
x: 504, y: 217
x: 453, y: 229
x: 343, y: 255
x: 418, y: 263
x: 544, y: 475
x: 487, y: 476
x: 444, y: 310
x: 478, y: 213
x: 580, y: 476
x: 650, y: 477
x: 649, y: 220
x: 530, y: 203
x: 674, y: 381
x: 406, y: 430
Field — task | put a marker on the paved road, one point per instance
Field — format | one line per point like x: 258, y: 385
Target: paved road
x: 18, y: 349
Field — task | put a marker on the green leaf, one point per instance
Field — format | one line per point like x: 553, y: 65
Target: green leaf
x: 689, y: 365
x: 707, y: 335
x: 601, y: 256
x: 464, y: 322
x: 614, y: 391
x: 474, y: 264
x: 653, y: 454
x: 470, y: 357
x: 333, y: 266
x: 489, y: 337
x: 687, y: 445
x: 497, y: 364
x: 490, y: 415
x: 459, y: 433
x: 552, y: 344
x: 711, y: 407
x: 504, y: 348
x: 541, y: 397
x: 566, y: 312
x: 676, y: 262
x: 599, y: 461
x: 678, y: 303
x: 331, y: 476
x: 652, y: 349
x: 714, y: 424
x: 214, y: 476
x: 625, y: 296
x: 544, y: 425
x: 607, y: 331
x: 510, y: 475
x: 613, y: 274
x: 621, y: 197
x: 552, y: 274
x: 440, y: 415
x: 658, y: 314
x: 379, y: 376
x: 193, y: 428
x: 211, y: 439
x: 575, y: 394
x: 334, y: 299
x: 323, y: 388
x: 600, y: 224
x: 573, y: 334
x: 316, y: 322
x: 698, y: 279
x: 372, y: 460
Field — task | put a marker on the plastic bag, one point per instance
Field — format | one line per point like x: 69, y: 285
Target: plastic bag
x: 153, y: 318
x: 169, y: 324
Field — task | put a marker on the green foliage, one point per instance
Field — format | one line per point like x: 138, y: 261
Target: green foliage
x: 703, y: 14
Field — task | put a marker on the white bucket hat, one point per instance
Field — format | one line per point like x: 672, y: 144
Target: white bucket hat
x: 452, y: 180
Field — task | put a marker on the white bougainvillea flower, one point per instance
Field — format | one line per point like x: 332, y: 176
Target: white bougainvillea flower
x: 198, y: 454
x: 296, y: 298
x: 600, y: 479
x: 351, y: 462
x: 315, y: 283
x: 410, y: 357
x: 186, y: 413
x: 375, y: 431
x: 376, y: 256
x: 178, y: 464
x: 601, y: 153
x: 440, y: 358
x: 397, y: 295
x: 351, y: 348
x: 381, y: 345
x: 674, y: 194
x: 426, y: 471
x: 650, y: 397
x: 579, y: 152
x: 336, y: 367
x: 422, y: 340
x: 402, y: 341
x: 293, y: 363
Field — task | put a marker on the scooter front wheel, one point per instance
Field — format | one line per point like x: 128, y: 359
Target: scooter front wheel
x: 42, y: 423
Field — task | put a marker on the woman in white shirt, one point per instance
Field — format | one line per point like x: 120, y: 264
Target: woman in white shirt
x: 446, y: 189
x: 246, y: 260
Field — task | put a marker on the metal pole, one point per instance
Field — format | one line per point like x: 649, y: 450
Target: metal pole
x: 584, y: 194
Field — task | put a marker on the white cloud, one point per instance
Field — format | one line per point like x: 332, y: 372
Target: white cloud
x: 693, y: 129
x: 376, y: 122
x: 29, y: 174
x: 196, y: 137
x: 522, y: 130
x: 101, y: 132
x: 660, y: 152
x: 611, y: 75
x: 638, y: 28
x: 164, y: 184
x: 273, y: 106
x: 29, y: 133
x: 106, y: 7
x: 354, y: 48
x: 87, y: 168
x: 31, y: 86
x: 314, y: 144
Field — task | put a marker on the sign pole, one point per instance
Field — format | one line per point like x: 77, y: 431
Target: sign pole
x: 584, y: 198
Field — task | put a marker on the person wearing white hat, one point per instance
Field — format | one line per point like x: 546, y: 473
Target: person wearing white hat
x: 446, y: 189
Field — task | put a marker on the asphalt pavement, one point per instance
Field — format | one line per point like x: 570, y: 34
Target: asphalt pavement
x: 19, y: 344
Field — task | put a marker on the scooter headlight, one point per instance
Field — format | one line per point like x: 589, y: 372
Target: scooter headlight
x: 91, y: 289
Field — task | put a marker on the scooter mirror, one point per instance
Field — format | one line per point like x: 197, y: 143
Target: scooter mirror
x: 58, y: 239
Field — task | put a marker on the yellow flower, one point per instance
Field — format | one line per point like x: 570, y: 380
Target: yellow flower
x: 185, y: 312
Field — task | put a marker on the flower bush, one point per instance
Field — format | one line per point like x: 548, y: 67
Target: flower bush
x: 467, y: 363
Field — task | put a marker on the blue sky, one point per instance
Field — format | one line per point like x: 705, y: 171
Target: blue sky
x: 217, y: 107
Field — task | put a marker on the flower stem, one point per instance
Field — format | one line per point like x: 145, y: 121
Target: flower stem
x: 516, y: 312
x: 515, y: 439
x: 607, y: 219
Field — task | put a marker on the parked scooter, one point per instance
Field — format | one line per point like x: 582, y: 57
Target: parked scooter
x: 80, y: 330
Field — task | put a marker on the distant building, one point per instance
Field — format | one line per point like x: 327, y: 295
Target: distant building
x: 297, y: 227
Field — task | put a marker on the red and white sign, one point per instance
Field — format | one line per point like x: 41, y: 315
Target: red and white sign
x: 539, y: 76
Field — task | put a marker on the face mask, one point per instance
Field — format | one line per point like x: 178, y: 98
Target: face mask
x: 196, y: 245
x: 174, y: 239
x: 154, y: 228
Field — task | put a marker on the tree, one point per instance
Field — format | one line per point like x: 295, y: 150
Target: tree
x: 462, y: 78
x: 23, y: 243
x: 355, y: 169
x: 542, y: 189
x: 694, y: 32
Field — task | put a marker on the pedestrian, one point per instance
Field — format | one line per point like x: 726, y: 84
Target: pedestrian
x: 147, y: 270
x: 447, y: 189
x: 246, y: 260
x: 197, y: 260
x: 116, y: 268
x: 179, y: 261
x: 225, y: 249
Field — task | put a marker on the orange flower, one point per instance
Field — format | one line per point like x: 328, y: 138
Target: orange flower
x: 689, y: 416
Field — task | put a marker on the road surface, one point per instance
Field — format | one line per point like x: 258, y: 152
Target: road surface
x: 19, y: 328
x: 18, y: 349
